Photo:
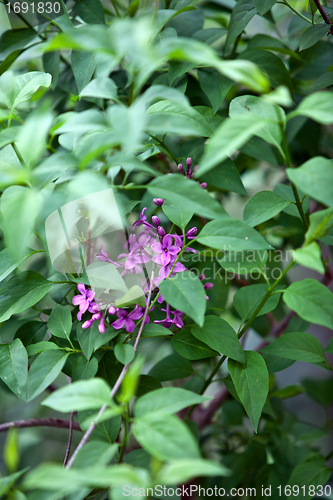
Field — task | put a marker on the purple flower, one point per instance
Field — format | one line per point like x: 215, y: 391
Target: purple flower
x: 127, y: 319
x: 168, y: 321
x: 143, y: 219
x: 101, y: 326
x: 191, y: 233
x: 84, y: 300
x: 133, y: 261
x: 103, y: 256
x: 156, y: 220
x: 180, y: 168
x: 166, y: 249
x: 158, y: 201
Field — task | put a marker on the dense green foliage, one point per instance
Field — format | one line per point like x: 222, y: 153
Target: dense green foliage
x: 102, y: 111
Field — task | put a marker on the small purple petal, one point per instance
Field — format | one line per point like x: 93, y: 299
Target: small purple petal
x: 158, y: 201
x: 129, y: 325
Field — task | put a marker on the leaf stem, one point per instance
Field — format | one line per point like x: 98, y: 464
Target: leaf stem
x: 285, y: 2
x: 324, y: 15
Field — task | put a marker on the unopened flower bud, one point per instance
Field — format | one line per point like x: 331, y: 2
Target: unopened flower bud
x: 192, y: 232
x: 208, y: 286
x: 96, y: 316
x: 112, y: 310
x: 180, y: 168
x: 189, y: 162
x: 86, y: 324
x: 202, y: 277
x: 156, y: 220
x: 203, y: 185
x: 161, y: 231
x: 195, y: 168
x: 101, y: 326
x: 158, y: 201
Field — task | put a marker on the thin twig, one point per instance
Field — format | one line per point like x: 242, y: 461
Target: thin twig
x: 40, y: 422
x: 116, y: 385
x: 70, y: 437
x: 324, y: 15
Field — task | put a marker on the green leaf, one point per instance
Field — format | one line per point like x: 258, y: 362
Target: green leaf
x: 231, y: 235
x: 287, y: 194
x: 320, y: 224
x: 124, y: 353
x: 288, y: 392
x: 310, y: 256
x: 155, y: 330
x: 21, y: 292
x: 312, y: 473
x: 263, y: 206
x: 172, y: 367
x: 264, y: 110
x: 18, y: 89
x: 8, y: 265
x: 299, y: 346
x: 311, y: 300
x: 221, y: 337
x: 88, y: 338
x: 95, y: 453
x: 250, y: 261
x: 33, y: 349
x: 8, y: 136
x: 317, y: 107
x: 166, y: 400
x: 189, y: 347
x: 320, y: 390
x: 80, y: 395
x: 324, y: 81
x: 83, y: 369
x: 14, y: 367
x: 185, y: 292
x: 247, y: 299
x: 31, y: 332
x: 312, y: 35
x: 90, y: 11
x: 103, y: 88
x: 83, y: 64
x: 165, y: 437
x: 187, y: 195
x: 230, y: 136
x: 44, y: 370
x: 7, y: 482
x: 60, y: 322
x: 271, y: 66
x: 51, y: 64
x: 329, y: 347
x: 315, y: 177
x: 215, y: 86
x: 173, y: 118
x: 251, y: 384
x: 241, y: 15
x: 264, y: 6
x: 178, y: 215
x: 182, y: 470
x: 19, y: 207
x: 225, y: 176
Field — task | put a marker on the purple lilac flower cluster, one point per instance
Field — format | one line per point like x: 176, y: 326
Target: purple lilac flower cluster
x: 152, y: 244
x: 189, y: 173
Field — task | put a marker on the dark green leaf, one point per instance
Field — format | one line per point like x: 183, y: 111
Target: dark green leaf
x: 225, y: 176
x: 166, y: 400
x: 263, y: 6
x: 178, y: 215
x: 320, y: 224
x: 44, y: 370
x: 14, y: 367
x: 250, y: 261
x: 271, y: 66
x: 241, y: 15
x: 91, y: 11
x: 189, y: 347
x: 171, y: 368
x: 155, y: 330
x: 221, y: 337
x: 263, y: 206
x: 60, y: 322
x: 312, y: 35
x: 247, y: 299
x: 312, y: 473
x: 83, y: 64
x: 215, y: 86
x: 298, y: 346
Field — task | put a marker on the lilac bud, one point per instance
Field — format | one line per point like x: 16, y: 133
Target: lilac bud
x: 86, y: 324
x: 180, y: 168
x: 112, y: 310
x: 158, y: 201
x: 101, y: 326
x: 192, y: 232
x: 202, y: 277
x: 161, y: 231
x: 203, y: 185
x: 156, y: 220
x: 189, y: 162
x: 96, y: 316
x: 195, y: 168
x: 94, y: 308
x: 208, y: 286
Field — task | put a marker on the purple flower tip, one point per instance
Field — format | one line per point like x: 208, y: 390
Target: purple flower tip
x: 208, y: 286
x: 180, y: 168
x: 161, y: 231
x: 203, y: 185
x: 192, y: 232
x: 189, y: 162
x: 195, y: 168
x: 101, y: 326
x: 86, y: 324
x: 156, y: 220
x: 202, y: 277
x: 112, y: 310
x: 158, y: 201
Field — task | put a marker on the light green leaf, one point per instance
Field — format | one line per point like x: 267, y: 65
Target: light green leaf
x: 186, y: 194
x: 251, y: 384
x: 33, y: 349
x: 263, y: 206
x: 14, y: 367
x: 315, y: 106
x: 178, y: 215
x: 60, y: 322
x: 104, y: 88
x: 7, y: 264
x: 189, y: 347
x: 231, y: 235
x: 310, y: 256
x: 124, y: 353
x: 167, y: 400
x: 311, y: 300
x: 88, y: 338
x: 315, y: 177
x: 221, y: 337
x: 185, y: 292
x: 250, y: 261
x: 44, y: 370
x: 298, y: 346
x: 320, y: 224
x: 21, y: 292
x: 9, y: 135
x: 230, y: 136
x: 165, y: 437
x: 182, y: 470
x: 80, y: 395
x: 155, y: 330
x: 22, y: 87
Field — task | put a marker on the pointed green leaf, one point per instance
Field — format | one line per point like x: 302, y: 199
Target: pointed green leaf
x: 60, y: 322
x: 189, y: 347
x: 299, y: 346
x: 247, y: 299
x: 315, y: 177
x: 44, y: 370
x: 14, y: 367
x: 263, y: 206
